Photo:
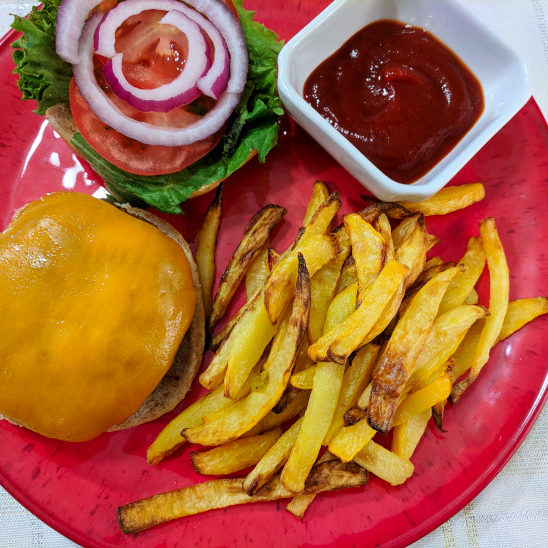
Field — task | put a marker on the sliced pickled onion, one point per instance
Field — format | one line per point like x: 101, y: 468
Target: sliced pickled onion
x: 214, y: 120
x: 183, y: 89
x: 215, y: 80
x: 71, y: 17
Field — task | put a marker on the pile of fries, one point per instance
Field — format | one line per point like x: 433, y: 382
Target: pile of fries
x: 348, y: 333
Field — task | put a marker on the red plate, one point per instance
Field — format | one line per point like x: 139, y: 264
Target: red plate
x: 77, y: 487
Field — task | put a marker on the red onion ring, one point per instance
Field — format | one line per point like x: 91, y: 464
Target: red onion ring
x: 148, y: 134
x: 215, y: 80
x: 182, y: 90
x: 71, y: 17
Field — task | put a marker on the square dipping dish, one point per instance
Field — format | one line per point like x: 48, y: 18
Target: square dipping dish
x: 500, y: 71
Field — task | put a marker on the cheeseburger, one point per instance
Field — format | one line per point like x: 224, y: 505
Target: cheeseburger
x: 103, y: 321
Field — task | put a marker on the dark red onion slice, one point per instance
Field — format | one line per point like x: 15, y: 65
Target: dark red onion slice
x: 71, y: 17
x: 183, y: 89
x: 148, y: 134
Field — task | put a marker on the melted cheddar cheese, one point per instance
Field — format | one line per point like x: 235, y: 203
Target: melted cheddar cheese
x: 93, y: 305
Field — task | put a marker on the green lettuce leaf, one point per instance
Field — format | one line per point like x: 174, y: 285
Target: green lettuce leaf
x: 253, y: 127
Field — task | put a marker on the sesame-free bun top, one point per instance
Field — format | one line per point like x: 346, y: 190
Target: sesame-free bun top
x: 95, y: 305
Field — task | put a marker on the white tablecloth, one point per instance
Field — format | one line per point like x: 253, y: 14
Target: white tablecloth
x: 511, y: 511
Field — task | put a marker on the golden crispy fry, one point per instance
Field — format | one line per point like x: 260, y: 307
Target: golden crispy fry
x: 349, y: 274
x: 391, y: 209
x: 215, y: 372
x: 434, y: 261
x: 221, y: 493
x: 427, y: 274
x: 472, y: 264
x: 350, y: 440
x: 295, y: 407
x: 342, y: 305
x: 322, y: 290
x: 425, y: 398
x: 407, y: 435
x: 320, y: 222
x: 258, y: 272
x: 464, y: 354
x: 520, y: 312
x: 448, y: 199
x: 243, y: 415
x: 412, y: 251
x: 384, y: 464
x: 234, y: 456
x: 403, y: 349
x: 382, y: 225
x: 316, y: 421
x: 248, y: 340
x: 405, y: 229
x: 255, y: 236
x: 499, y: 282
x: 363, y: 400
x: 368, y: 249
x: 356, y: 378
x: 351, y: 333
x: 205, y: 253
x: 272, y: 460
x: 320, y: 194
x: 280, y: 285
x: 170, y: 439
x: 273, y: 257
x: 304, y: 379
x: 437, y: 414
x: 472, y: 297
x: 447, y: 333
x: 299, y: 503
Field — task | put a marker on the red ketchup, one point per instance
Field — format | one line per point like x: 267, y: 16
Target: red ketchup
x: 398, y: 95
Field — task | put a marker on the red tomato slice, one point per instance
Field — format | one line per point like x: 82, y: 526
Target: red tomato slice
x: 154, y: 54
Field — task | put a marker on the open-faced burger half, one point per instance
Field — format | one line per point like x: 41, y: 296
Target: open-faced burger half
x: 163, y: 98
x: 103, y: 321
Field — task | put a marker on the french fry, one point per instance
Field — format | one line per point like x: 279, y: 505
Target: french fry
x: 425, y: 398
x: 349, y: 274
x: 437, y: 414
x: 295, y: 407
x: 214, y: 374
x: 289, y: 394
x: 382, y: 225
x: 499, y: 282
x: 412, y: 251
x: 434, y: 261
x: 243, y: 415
x: 299, y: 503
x: 407, y: 435
x: 320, y: 194
x: 427, y: 274
x: 384, y: 463
x: 258, y: 272
x: 248, y: 340
x: 316, y: 421
x: 368, y: 249
x: 234, y: 456
x: 280, y: 285
x: 342, y: 305
x: 472, y: 297
x: 521, y: 312
x: 255, y: 236
x: 205, y: 252
x: 472, y: 264
x: 351, y: 333
x: 272, y: 460
x: 321, y: 220
x: 170, y: 439
x: 403, y: 349
x: 448, y: 330
x: 356, y: 378
x: 304, y: 379
x: 322, y: 290
x: 405, y: 229
x: 221, y: 493
x: 363, y: 400
x: 350, y: 440
x: 448, y: 199
x: 391, y: 209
